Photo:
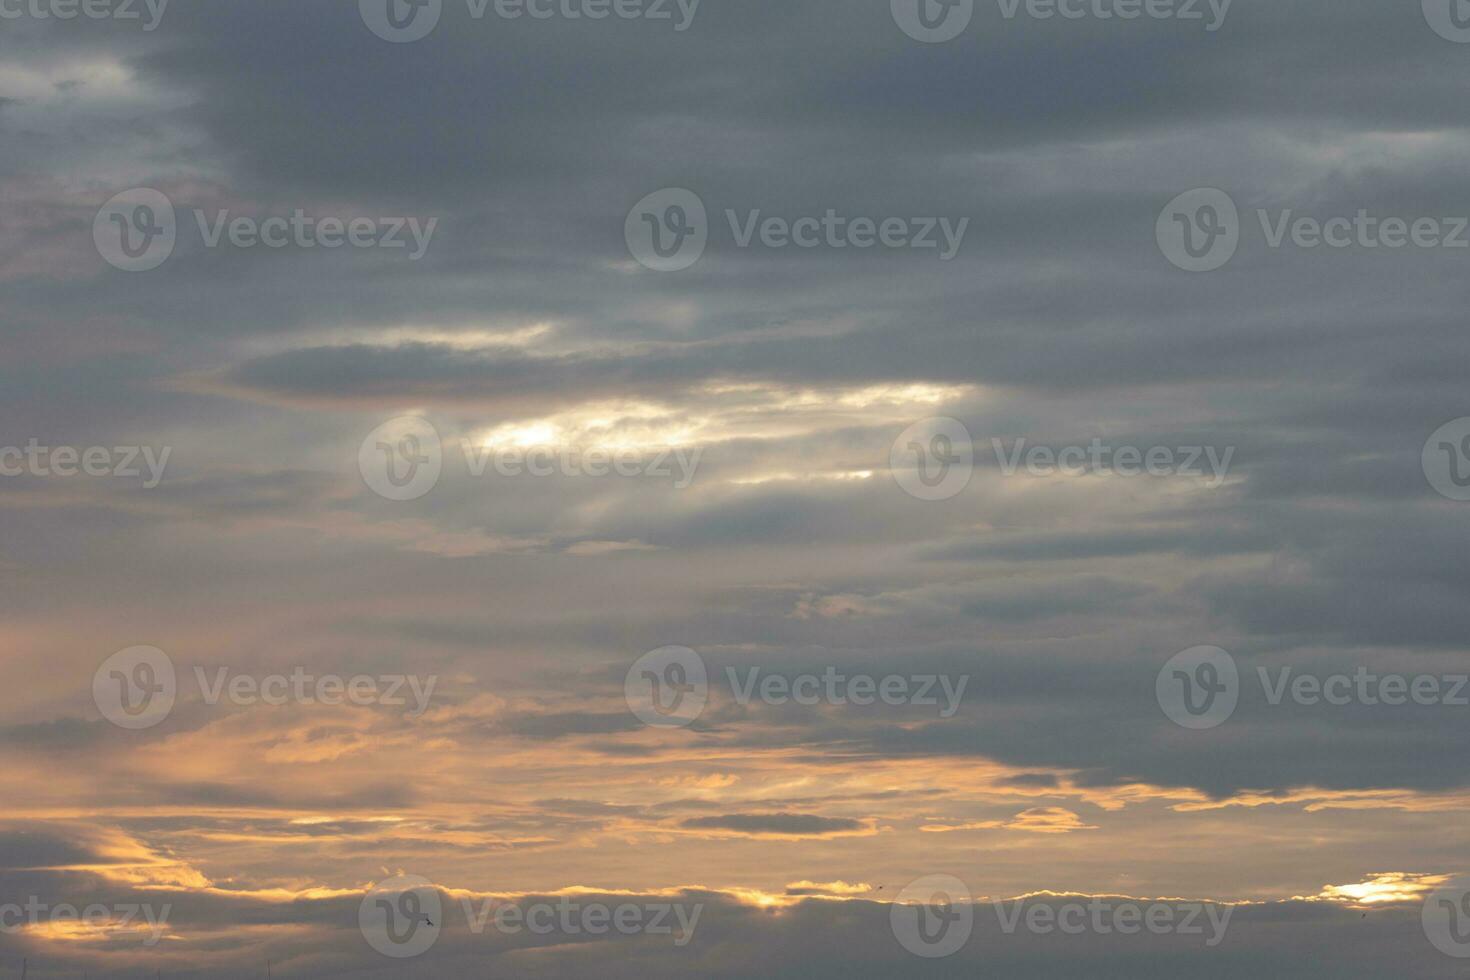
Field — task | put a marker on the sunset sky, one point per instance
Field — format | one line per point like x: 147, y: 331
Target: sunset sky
x: 769, y: 400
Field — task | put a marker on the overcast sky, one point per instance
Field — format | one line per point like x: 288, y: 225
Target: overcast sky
x: 458, y: 352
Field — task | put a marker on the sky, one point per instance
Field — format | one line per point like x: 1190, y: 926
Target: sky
x: 861, y: 488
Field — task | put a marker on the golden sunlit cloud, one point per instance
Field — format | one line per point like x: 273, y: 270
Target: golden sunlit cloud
x: 1383, y: 889
x: 1037, y: 820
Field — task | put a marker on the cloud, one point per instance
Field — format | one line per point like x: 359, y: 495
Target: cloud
x: 776, y: 824
x: 1037, y: 820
